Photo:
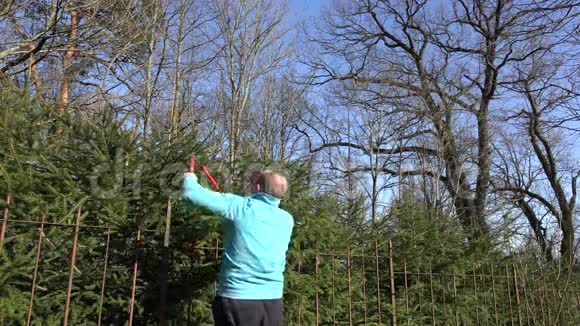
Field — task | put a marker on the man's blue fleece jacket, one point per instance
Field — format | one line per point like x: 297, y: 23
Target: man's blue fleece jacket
x: 256, y: 237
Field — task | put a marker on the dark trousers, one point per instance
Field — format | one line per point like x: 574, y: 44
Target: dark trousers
x: 236, y: 312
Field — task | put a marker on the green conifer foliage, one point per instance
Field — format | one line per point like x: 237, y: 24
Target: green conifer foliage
x: 101, y: 166
x: 121, y: 183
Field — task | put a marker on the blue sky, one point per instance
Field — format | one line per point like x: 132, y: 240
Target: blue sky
x: 304, y: 9
x: 307, y: 11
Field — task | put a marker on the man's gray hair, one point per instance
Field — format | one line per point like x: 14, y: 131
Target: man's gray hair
x: 275, y: 184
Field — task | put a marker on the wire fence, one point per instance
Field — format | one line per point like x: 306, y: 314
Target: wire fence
x: 362, y: 285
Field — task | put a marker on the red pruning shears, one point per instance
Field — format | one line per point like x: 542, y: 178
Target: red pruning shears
x: 205, y: 171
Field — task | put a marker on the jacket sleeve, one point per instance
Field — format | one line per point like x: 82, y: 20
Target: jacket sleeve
x: 224, y: 205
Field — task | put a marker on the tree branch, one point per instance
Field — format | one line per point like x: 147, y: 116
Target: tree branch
x: 533, y: 195
x: 400, y: 173
x: 25, y: 56
x: 377, y: 150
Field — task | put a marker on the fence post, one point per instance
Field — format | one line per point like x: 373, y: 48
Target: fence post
x: 544, y: 299
x: 527, y: 301
x: 35, y: 273
x: 420, y: 301
x: 216, y: 257
x: 507, y: 278
x: 5, y: 221
x: 134, y: 281
x: 406, y: 292
x: 316, y: 262
x: 392, y: 277
x: 516, y: 291
x: 300, y: 304
x: 348, y: 267
x: 378, y: 280
x: 494, y: 296
x: 104, y: 276
x: 485, y: 313
x: 456, y: 312
x: 475, y: 295
x: 442, y: 277
x: 433, y: 321
x: 72, y: 267
x: 333, y: 290
x: 364, y: 284
x: 165, y: 267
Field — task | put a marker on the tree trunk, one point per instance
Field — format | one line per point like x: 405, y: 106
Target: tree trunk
x: 64, y: 94
x: 544, y: 152
x: 545, y: 246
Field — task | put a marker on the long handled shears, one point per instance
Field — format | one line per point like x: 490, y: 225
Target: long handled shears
x: 205, y: 171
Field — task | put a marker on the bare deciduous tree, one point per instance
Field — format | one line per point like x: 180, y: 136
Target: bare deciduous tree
x: 446, y: 62
x: 547, y: 93
x: 279, y: 107
x: 251, y: 43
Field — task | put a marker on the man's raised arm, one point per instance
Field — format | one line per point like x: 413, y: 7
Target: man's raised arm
x: 220, y: 204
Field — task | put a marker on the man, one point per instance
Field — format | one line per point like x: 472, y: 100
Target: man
x: 256, y: 238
